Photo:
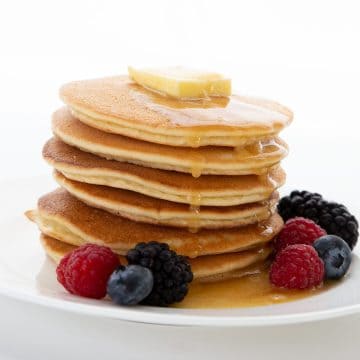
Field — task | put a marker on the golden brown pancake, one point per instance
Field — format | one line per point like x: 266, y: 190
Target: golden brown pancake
x: 118, y: 105
x: 204, y: 267
x: 251, y: 159
x: 208, y: 190
x: 138, y: 207
x: 62, y: 216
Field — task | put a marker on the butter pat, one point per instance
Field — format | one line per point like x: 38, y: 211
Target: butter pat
x: 182, y: 83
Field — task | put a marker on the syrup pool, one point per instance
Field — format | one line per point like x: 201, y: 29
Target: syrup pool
x: 247, y: 291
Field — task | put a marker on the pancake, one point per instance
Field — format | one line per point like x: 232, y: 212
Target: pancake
x: 120, y: 106
x: 137, y: 207
x: 204, y: 267
x: 209, y: 190
x: 62, y: 216
x: 251, y: 159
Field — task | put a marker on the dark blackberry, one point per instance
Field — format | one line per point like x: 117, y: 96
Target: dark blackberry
x: 333, y: 217
x: 172, y: 273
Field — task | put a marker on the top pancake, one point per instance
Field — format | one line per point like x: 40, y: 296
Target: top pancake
x: 251, y: 159
x: 118, y: 105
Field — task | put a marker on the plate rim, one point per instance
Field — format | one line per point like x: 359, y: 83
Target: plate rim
x: 180, y: 317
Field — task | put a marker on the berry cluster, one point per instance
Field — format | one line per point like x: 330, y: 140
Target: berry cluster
x: 155, y: 275
x: 315, y: 243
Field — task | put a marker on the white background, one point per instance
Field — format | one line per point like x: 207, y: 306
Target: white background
x: 305, y: 54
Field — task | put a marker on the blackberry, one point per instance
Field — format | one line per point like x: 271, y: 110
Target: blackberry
x: 333, y: 217
x: 172, y: 273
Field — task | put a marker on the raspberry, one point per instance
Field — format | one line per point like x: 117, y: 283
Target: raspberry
x: 335, y: 218
x: 297, y: 267
x: 86, y: 270
x: 298, y: 231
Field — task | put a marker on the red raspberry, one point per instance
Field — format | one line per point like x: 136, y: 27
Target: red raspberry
x: 298, y: 231
x: 297, y: 267
x: 86, y: 270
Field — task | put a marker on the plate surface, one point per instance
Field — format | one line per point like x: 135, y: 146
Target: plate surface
x: 26, y: 274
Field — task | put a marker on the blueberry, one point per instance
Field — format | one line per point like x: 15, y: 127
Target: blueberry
x: 130, y: 285
x: 335, y: 253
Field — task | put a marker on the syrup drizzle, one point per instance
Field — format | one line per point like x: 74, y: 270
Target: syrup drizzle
x: 194, y: 207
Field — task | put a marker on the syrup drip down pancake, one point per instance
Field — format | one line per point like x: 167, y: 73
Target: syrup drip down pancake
x: 209, y: 190
x: 255, y: 158
x: 62, y: 216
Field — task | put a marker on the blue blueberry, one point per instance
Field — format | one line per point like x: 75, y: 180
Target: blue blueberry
x: 335, y: 253
x: 130, y: 285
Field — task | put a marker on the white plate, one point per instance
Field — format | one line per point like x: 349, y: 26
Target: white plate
x: 26, y: 274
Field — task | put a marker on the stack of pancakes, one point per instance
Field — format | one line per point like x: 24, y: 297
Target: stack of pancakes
x: 135, y: 166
